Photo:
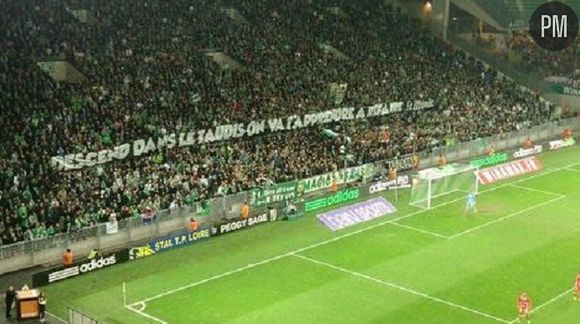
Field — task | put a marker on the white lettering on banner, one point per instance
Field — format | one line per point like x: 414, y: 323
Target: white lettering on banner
x: 527, y: 152
x: 141, y: 147
x: 558, y: 144
x: 239, y: 224
x: 63, y: 274
x: 97, y: 264
x: 400, y: 182
x: 342, y: 176
x: 508, y: 170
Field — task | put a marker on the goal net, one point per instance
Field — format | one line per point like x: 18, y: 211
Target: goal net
x: 442, y: 184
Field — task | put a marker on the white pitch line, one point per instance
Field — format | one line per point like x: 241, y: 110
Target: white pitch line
x: 538, y: 190
x: 535, y: 309
x: 225, y: 274
x: 501, y: 219
x: 420, y: 230
x: 142, y: 313
x: 572, y: 170
x: 338, y: 238
x: 408, y: 290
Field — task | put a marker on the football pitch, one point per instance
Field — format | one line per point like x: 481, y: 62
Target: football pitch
x: 412, y: 266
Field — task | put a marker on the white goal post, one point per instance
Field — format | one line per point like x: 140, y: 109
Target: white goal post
x: 431, y: 183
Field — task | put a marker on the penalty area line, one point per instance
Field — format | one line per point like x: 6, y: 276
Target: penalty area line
x: 501, y: 219
x: 345, y: 235
x: 401, y: 288
x: 538, y: 190
x: 420, y: 230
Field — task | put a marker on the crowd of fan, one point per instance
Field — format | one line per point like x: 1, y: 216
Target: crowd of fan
x: 147, y: 74
x: 548, y: 63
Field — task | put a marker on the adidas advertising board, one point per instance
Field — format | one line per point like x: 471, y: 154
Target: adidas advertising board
x: 403, y: 181
x: 522, y: 152
x: 79, y: 268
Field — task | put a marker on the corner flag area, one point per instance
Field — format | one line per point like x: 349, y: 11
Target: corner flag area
x: 410, y: 266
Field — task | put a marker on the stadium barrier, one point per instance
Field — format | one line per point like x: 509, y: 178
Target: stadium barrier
x: 77, y: 317
x: 185, y: 237
x: 128, y: 232
x: 79, y: 268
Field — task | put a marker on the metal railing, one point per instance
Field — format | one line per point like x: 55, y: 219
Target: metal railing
x: 129, y: 231
x: 77, y: 317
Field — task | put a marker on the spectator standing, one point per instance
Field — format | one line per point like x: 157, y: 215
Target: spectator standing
x: 193, y: 224
x: 245, y: 212
x: 148, y: 216
x: 67, y: 258
x: 442, y: 161
x: 93, y: 254
x: 334, y: 186
x: 42, y: 304
x: 9, y: 300
x: 528, y: 144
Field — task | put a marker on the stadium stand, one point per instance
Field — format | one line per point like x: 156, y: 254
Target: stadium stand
x: 153, y: 67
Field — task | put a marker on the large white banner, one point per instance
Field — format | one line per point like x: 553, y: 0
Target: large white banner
x: 226, y: 132
x: 343, y: 176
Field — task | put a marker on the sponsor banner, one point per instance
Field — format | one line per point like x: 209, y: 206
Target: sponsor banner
x: 402, y: 181
x: 112, y: 227
x: 357, y: 213
x: 401, y: 164
x: 563, y: 85
x: 79, y: 268
x: 522, y: 152
x: 337, y: 198
x: 343, y: 176
x: 168, y: 242
x: 277, y: 193
x: 489, y: 160
x: 139, y: 252
x: 558, y: 144
x: 508, y: 170
x: 226, y: 132
x: 238, y: 224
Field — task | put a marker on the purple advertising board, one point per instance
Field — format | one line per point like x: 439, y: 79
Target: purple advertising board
x: 351, y: 215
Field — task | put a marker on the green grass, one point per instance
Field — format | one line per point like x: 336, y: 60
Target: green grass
x: 437, y: 267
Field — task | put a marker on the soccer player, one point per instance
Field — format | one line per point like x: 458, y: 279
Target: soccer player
x: 577, y: 288
x: 471, y: 203
x: 524, y: 307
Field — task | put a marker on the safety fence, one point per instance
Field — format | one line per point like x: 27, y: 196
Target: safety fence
x: 77, y: 317
x: 127, y: 232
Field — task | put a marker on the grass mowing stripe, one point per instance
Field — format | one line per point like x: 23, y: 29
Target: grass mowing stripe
x: 501, y: 219
x: 564, y: 293
x: 219, y: 276
x: 395, y: 286
x: 343, y: 236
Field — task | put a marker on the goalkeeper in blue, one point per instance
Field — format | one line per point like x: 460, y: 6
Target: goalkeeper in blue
x: 471, y: 203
